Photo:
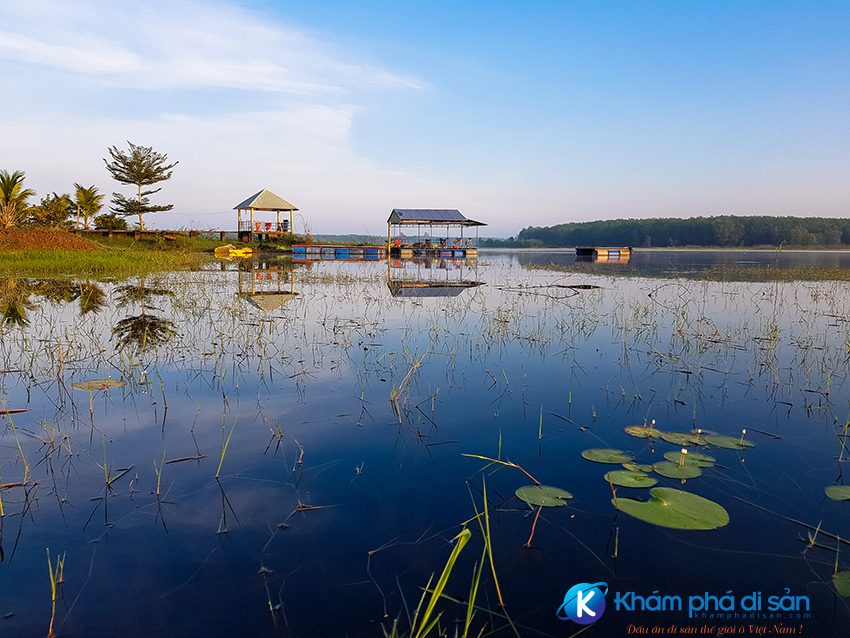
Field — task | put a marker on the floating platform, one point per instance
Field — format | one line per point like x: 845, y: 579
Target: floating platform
x: 317, y: 252
x: 603, y: 253
x: 448, y: 252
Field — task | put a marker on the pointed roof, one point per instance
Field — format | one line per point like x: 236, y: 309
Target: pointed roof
x: 270, y: 301
x: 266, y: 200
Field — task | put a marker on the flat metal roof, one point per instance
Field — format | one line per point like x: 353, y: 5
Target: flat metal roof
x: 430, y: 216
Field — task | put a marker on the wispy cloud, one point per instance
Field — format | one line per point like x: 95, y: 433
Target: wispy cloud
x: 172, y: 45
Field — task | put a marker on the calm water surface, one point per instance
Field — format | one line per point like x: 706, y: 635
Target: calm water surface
x: 334, y: 505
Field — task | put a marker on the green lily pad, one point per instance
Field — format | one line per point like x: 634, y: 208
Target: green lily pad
x: 624, y: 478
x: 606, y: 455
x: 692, y: 458
x: 684, y: 439
x: 96, y: 385
x: 643, y: 431
x: 543, y: 495
x: 675, y: 471
x: 631, y: 466
x: 838, y: 492
x: 842, y: 584
x: 676, y: 509
x: 728, y: 442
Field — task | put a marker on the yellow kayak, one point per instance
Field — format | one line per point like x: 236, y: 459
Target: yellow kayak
x: 230, y: 252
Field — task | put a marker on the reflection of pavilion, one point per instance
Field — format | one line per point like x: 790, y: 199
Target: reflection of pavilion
x: 431, y: 277
x: 266, y: 285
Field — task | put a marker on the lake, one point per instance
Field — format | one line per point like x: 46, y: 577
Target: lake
x: 279, y: 448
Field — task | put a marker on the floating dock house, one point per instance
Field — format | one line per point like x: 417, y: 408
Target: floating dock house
x: 604, y: 254
x: 425, y: 220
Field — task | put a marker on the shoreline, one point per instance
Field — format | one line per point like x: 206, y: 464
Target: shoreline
x: 761, y: 249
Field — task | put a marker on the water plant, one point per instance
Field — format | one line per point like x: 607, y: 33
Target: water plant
x: 677, y: 509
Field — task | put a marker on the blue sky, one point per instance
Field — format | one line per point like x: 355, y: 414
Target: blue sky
x: 517, y: 113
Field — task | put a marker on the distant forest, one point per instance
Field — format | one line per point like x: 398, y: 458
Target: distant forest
x: 723, y: 230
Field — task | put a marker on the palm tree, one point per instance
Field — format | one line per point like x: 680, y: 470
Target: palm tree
x: 88, y: 201
x: 13, y: 198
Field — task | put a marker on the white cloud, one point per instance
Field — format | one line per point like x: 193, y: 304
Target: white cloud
x: 166, y: 45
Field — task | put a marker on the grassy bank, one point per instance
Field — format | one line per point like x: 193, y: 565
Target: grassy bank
x: 106, y: 262
x: 38, y: 253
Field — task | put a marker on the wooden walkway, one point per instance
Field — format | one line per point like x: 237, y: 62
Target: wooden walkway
x: 139, y: 234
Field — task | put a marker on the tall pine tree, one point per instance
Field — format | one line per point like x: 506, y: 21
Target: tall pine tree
x: 141, y: 166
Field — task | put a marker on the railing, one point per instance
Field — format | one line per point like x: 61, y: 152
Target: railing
x: 265, y: 227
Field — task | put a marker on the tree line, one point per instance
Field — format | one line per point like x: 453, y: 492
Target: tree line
x: 139, y: 166
x: 721, y: 230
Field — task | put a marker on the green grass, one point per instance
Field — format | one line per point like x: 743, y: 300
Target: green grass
x: 108, y: 262
x: 118, y: 256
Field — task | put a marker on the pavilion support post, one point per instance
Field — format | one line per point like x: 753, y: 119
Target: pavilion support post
x: 252, y: 226
x: 389, y: 238
x: 291, y: 223
x: 278, y: 221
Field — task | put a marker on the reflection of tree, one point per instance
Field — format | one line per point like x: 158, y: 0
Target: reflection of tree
x: 144, y: 330
x: 92, y: 298
x: 15, y: 302
x: 140, y: 294
x: 56, y: 290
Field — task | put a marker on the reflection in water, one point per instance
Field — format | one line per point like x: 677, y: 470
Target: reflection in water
x: 145, y: 330
x: 267, y: 284
x: 15, y: 302
x: 16, y: 297
x: 92, y: 298
x: 315, y: 458
x: 431, y: 277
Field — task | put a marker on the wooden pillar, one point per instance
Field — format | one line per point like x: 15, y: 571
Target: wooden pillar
x: 238, y: 221
x: 291, y: 224
x: 389, y: 238
x: 252, y: 225
x: 221, y: 235
x: 278, y: 221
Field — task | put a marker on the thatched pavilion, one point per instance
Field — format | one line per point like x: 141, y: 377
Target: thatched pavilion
x: 264, y: 201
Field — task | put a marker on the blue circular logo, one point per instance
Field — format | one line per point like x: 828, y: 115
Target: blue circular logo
x: 584, y: 603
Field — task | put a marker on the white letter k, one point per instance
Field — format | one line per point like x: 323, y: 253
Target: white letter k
x: 581, y: 605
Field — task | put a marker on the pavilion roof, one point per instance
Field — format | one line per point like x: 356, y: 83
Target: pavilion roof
x: 265, y: 200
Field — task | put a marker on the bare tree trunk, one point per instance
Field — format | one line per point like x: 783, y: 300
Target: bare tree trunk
x: 77, y: 223
x: 141, y: 221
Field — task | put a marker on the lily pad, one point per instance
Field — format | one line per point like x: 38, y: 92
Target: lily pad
x: 606, y: 455
x: 96, y: 385
x: 675, y: 471
x: 624, y: 478
x: 692, y: 458
x: 676, y: 509
x: 728, y: 442
x: 643, y: 431
x: 683, y: 438
x: 543, y: 495
x: 838, y: 492
x: 842, y: 584
x: 631, y: 466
